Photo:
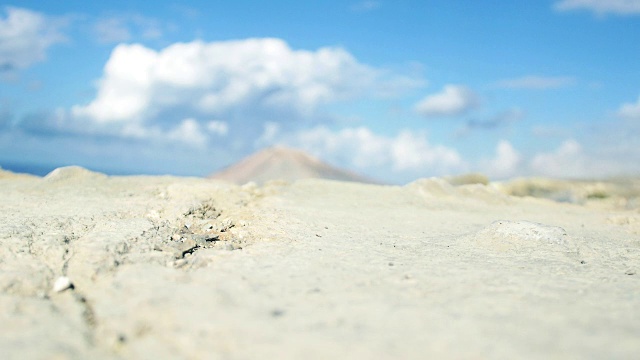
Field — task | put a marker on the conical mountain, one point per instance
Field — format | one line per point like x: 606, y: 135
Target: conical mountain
x: 282, y: 163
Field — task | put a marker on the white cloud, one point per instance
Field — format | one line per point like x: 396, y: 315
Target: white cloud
x: 536, y: 82
x: 453, y: 100
x: 218, y: 127
x: 601, y: 7
x: 111, y: 30
x: 122, y: 28
x: 188, y: 132
x: 566, y: 161
x: 630, y: 110
x: 248, y: 82
x: 412, y: 151
x: 125, y: 92
x: 212, y: 78
x: 506, y: 163
x: 407, y: 152
x: 270, y: 132
x: 25, y: 37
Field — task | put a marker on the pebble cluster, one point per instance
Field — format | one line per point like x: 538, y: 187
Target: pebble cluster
x: 201, y: 227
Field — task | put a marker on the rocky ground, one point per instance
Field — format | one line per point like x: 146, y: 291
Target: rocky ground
x: 160, y: 267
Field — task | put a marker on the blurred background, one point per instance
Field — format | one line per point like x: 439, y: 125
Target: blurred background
x: 391, y: 90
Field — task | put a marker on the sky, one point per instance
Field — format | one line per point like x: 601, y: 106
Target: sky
x: 394, y: 90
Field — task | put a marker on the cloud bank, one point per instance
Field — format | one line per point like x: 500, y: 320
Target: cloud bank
x: 567, y: 160
x: 630, y: 110
x: 506, y: 163
x: 211, y: 78
x: 121, y: 28
x: 243, y: 83
x: 198, y: 93
x: 453, y: 100
x: 25, y: 37
x: 406, y: 152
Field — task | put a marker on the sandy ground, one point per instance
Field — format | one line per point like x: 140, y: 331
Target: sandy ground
x: 186, y: 268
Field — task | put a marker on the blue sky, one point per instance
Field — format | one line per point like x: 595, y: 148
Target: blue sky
x: 395, y: 90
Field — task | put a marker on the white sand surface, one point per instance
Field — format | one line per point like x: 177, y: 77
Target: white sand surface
x: 187, y: 268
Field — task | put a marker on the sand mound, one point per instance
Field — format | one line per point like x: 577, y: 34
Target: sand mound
x: 68, y: 173
x: 524, y: 237
x: 468, y: 179
x: 464, y: 192
x: 617, y: 192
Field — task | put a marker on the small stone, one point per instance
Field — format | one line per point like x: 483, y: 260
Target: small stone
x: 226, y: 225
x: 230, y: 247
x: 188, y: 244
x: 186, y: 248
x: 180, y: 263
x: 62, y: 283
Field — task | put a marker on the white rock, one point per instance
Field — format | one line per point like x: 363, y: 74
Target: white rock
x: 62, y: 283
x: 525, y: 237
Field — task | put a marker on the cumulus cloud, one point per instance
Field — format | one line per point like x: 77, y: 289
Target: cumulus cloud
x: 536, y: 82
x: 125, y: 89
x: 407, y: 152
x: 111, y: 30
x: 601, y: 7
x: 630, y: 110
x: 123, y: 27
x: 506, y: 163
x: 451, y: 101
x: 571, y: 159
x: 213, y: 78
x: 25, y: 37
x: 187, y: 132
x: 246, y: 82
x: 568, y: 160
x: 270, y: 133
x: 218, y: 127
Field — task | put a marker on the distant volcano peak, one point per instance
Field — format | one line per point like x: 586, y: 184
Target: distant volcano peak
x: 283, y: 163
